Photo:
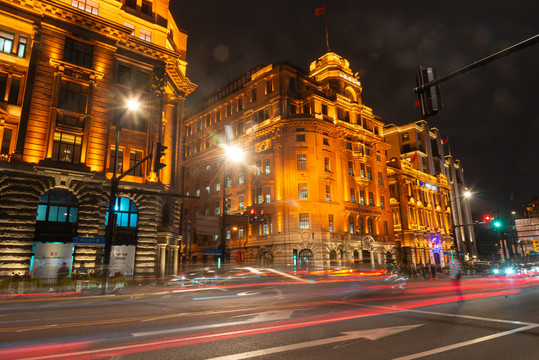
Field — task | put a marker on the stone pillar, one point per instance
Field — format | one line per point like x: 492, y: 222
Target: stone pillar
x: 162, y: 259
x: 174, y: 249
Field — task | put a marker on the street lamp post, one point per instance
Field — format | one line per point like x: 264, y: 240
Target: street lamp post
x: 235, y: 154
x: 467, y: 194
x: 131, y: 105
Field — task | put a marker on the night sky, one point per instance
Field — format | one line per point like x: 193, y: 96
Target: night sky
x: 490, y: 114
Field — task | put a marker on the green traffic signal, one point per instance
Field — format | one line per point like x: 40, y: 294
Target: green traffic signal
x: 497, y: 224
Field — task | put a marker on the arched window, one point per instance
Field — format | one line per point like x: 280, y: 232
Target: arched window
x: 126, y: 213
x: 58, y: 205
x: 333, y: 258
x: 305, y: 258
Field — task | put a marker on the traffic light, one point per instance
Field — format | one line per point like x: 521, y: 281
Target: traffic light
x: 262, y: 216
x: 429, y: 98
x: 497, y: 223
x: 295, y: 256
x: 252, y: 216
x: 228, y: 205
x: 159, y: 153
x: 487, y: 218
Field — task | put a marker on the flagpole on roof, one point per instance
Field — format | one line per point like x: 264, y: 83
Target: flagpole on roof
x: 326, y: 23
x: 322, y: 11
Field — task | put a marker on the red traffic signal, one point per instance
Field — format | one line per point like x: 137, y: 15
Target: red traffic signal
x: 487, y: 218
x: 252, y: 216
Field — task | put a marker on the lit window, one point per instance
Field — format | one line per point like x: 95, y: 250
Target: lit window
x: 146, y: 35
x: 146, y: 7
x: 302, y: 191
x: 120, y: 163
x: 6, y: 42
x: 87, y: 5
x: 58, y: 205
x: 302, y: 161
x: 303, y: 221
x: 268, y: 194
x: 66, y: 147
x: 330, y: 219
x: 126, y: 212
x: 131, y: 26
x: 328, y: 193
x: 21, y: 48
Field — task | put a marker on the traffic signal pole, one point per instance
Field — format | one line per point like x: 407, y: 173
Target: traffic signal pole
x: 421, y: 88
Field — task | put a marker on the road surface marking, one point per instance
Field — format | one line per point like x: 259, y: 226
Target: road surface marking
x: 465, y: 343
x: 371, y: 334
x: 258, y: 317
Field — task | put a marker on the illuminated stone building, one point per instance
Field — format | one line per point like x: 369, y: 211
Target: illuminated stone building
x: 67, y: 68
x: 427, y: 196
x: 315, y: 162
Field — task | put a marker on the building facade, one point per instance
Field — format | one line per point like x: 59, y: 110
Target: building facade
x: 314, y: 172
x: 432, y: 218
x: 67, y: 70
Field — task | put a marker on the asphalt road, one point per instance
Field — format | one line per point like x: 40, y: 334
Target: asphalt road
x: 497, y: 318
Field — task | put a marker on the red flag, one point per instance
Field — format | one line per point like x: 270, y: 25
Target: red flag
x: 446, y: 140
x: 415, y: 157
x: 319, y: 11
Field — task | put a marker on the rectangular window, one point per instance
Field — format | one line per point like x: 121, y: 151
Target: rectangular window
x: 135, y: 157
x: 380, y: 182
x: 369, y: 173
x: 146, y: 7
x: 239, y: 129
x: 350, y: 168
x: 217, y: 208
x: 303, y: 221
x: 362, y: 170
x: 371, y: 199
x: 87, y: 5
x: 78, y: 53
x: 326, y: 165
x: 302, y: 191
x: 217, y: 184
x: 328, y: 193
x: 206, y: 209
x: 73, y: 97
x: 124, y: 75
x: 362, y: 197
x: 325, y: 141
x: 253, y: 95
x: 197, y: 190
x: 21, y: 47
x: 241, y: 203
x: 240, y: 104
x: 258, y: 167
x: 207, y: 187
x: 66, y: 147
x: 267, y: 166
x: 382, y: 205
x: 269, y: 86
x: 300, y: 138
x: 268, y: 194
x: 352, y: 196
x: 228, y: 109
x: 302, y: 161
x: 131, y: 4
x: 349, y: 146
x: 228, y: 181
x: 351, y: 225
x: 330, y: 220
x: 130, y: 26
x: 146, y: 35
x: 324, y: 109
x: 6, y: 141
x: 13, y: 97
x: 405, y: 136
x: 386, y: 229
x: 369, y: 224
x: 259, y: 197
x: 6, y: 42
x: 241, y: 177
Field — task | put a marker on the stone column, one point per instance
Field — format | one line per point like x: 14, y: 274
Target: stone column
x: 162, y: 259
x: 174, y: 249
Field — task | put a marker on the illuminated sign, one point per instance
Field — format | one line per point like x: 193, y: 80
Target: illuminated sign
x: 428, y: 186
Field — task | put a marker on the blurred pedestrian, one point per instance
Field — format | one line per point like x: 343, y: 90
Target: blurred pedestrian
x: 63, y: 272
x: 455, y: 276
x: 433, y: 271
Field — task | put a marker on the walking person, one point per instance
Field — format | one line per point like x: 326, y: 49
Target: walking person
x: 433, y: 271
x: 63, y: 272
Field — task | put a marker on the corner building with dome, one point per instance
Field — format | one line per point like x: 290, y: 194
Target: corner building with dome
x: 314, y: 165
